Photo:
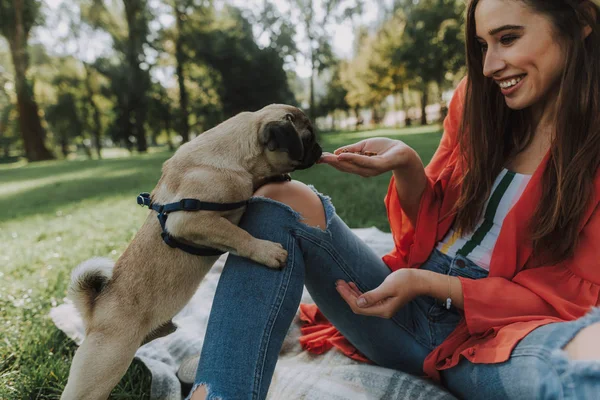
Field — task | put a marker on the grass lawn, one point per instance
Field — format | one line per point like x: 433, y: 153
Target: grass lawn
x: 53, y: 215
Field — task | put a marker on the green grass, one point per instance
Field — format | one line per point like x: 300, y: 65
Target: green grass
x: 53, y: 215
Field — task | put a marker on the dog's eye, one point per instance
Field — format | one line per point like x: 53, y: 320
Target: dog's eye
x: 289, y: 117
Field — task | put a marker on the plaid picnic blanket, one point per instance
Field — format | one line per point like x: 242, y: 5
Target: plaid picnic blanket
x: 298, y: 374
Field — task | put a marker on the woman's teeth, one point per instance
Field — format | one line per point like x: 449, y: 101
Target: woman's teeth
x: 510, y: 83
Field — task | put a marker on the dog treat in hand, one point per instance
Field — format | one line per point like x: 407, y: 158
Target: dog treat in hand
x: 362, y: 153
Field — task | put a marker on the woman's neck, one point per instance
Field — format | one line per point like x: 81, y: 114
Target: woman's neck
x: 542, y: 114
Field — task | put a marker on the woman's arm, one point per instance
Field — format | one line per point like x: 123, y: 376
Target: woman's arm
x: 410, y: 181
x: 439, y: 286
x: 399, y: 288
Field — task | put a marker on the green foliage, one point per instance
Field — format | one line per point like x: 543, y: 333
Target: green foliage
x: 225, y: 59
x: 278, y: 28
x: 433, y: 43
x: 30, y: 17
x: 249, y: 77
x: 419, y: 43
x: 335, y: 95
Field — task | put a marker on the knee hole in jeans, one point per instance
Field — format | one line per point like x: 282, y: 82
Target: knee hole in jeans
x: 300, y: 198
x: 584, y: 346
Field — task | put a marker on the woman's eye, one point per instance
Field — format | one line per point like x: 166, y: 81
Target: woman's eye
x: 506, y: 40
x: 483, y: 47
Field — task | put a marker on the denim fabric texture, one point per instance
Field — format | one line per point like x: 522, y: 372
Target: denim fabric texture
x: 254, y: 307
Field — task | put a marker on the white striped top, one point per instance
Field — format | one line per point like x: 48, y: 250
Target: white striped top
x: 479, y: 245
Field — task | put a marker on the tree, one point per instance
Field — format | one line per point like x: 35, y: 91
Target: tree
x: 88, y: 109
x: 120, y: 127
x: 315, y: 21
x: 128, y: 28
x: 335, y: 96
x: 248, y: 77
x: 7, y: 138
x: 136, y: 14
x: 182, y: 10
x: 372, y: 76
x: 432, y: 44
x: 74, y: 114
x: 65, y: 120
x: 160, y: 117
x: 271, y: 23
x: 95, y: 126
x: 17, y: 18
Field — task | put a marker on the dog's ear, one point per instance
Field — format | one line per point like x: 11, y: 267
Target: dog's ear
x: 282, y: 136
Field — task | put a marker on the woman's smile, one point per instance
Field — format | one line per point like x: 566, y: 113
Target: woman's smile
x: 510, y: 86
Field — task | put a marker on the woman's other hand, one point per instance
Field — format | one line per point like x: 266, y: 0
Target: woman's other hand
x: 389, y: 155
x: 395, y: 292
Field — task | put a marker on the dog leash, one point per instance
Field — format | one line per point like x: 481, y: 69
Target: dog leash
x: 186, y: 205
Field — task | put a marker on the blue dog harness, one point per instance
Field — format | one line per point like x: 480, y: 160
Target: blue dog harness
x: 186, y: 205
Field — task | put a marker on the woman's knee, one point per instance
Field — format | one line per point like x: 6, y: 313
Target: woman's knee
x: 584, y: 345
x: 299, y: 197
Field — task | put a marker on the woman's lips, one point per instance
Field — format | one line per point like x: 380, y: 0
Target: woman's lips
x: 512, y: 89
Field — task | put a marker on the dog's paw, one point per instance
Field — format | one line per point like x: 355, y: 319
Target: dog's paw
x: 271, y: 254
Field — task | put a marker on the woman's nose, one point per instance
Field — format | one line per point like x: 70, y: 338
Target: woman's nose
x: 493, y: 62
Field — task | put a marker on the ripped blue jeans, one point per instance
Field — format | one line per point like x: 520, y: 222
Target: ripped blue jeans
x: 254, y: 306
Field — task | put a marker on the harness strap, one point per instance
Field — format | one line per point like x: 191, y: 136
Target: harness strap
x: 186, y: 205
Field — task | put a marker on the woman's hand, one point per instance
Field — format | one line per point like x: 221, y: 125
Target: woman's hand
x: 391, y: 154
x: 395, y: 292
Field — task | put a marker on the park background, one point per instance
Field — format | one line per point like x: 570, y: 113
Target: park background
x: 96, y: 94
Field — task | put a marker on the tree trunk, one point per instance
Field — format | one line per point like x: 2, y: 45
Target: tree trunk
x: 333, y: 121
x: 32, y: 132
x: 64, y: 145
x: 97, y: 127
x: 133, y: 11
x: 140, y: 130
x: 375, y: 116
x: 184, y: 127
x: 87, y: 150
x: 424, y: 98
x: 311, y: 109
x: 406, y: 107
x: 359, y: 120
x: 168, y: 130
x: 5, y: 142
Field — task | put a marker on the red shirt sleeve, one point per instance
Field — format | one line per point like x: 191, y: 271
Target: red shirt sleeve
x: 438, y: 171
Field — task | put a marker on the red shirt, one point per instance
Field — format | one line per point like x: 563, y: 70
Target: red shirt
x: 515, y: 298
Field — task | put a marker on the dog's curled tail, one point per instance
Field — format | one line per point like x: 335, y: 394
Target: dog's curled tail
x: 88, y: 280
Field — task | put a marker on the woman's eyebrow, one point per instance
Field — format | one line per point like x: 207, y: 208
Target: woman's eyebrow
x: 506, y: 28
x: 494, y: 31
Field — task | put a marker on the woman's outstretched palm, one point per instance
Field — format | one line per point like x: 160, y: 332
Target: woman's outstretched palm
x: 389, y: 154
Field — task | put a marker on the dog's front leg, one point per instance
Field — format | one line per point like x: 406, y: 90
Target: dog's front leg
x: 220, y: 233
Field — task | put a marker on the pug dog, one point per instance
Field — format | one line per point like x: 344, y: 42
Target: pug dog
x: 133, y: 301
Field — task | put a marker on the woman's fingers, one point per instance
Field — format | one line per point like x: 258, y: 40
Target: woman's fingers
x: 346, y: 166
x: 356, y: 147
x: 354, y: 288
x: 354, y: 163
x: 327, y: 158
x: 383, y: 309
x: 360, y: 160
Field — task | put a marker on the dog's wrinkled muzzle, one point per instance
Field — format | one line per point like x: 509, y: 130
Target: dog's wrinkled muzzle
x: 311, y: 156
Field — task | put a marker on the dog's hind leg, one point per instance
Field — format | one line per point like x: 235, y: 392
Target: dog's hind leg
x: 101, y: 361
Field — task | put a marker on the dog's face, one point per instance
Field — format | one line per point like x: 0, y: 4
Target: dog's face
x: 288, y: 138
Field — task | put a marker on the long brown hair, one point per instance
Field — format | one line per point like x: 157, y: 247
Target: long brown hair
x: 492, y: 133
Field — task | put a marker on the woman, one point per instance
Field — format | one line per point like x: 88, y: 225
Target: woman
x: 495, y: 268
